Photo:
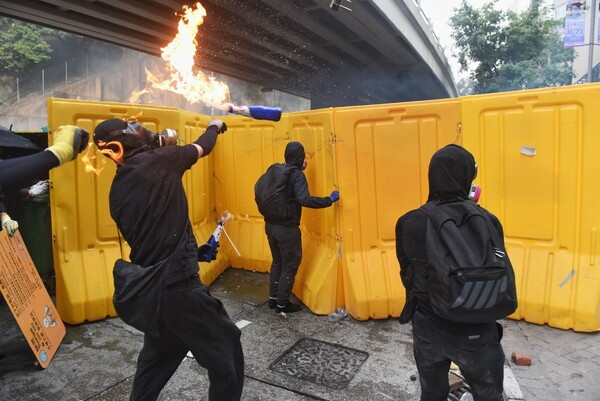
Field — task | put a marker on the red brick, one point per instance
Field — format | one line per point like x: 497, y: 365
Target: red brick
x: 521, y: 358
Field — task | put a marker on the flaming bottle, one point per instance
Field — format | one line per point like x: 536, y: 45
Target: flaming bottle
x: 256, y: 112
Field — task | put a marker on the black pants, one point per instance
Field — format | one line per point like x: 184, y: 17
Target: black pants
x: 479, y: 356
x: 286, y: 249
x: 192, y: 320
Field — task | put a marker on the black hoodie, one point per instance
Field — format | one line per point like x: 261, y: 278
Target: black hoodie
x: 451, y: 172
x: 295, y: 156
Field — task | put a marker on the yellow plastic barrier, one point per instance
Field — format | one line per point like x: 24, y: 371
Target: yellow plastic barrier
x: 538, y: 152
x: 244, y: 152
x: 85, y: 238
x: 538, y: 170
x: 383, y: 156
x: 319, y: 282
x: 248, y: 148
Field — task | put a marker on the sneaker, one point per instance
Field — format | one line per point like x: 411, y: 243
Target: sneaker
x: 272, y: 303
x: 288, y: 308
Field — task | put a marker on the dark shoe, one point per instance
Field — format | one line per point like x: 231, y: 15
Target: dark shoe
x: 288, y: 308
x: 272, y: 303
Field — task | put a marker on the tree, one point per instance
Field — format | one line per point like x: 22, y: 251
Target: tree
x: 508, y: 51
x: 23, y: 45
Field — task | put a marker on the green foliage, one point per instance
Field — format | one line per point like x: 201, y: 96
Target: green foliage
x: 23, y: 45
x: 510, y: 51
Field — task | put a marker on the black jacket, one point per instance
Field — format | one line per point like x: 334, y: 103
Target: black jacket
x: 301, y: 197
x: 451, y: 172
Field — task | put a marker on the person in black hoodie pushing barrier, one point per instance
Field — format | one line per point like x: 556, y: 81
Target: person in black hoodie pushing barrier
x: 283, y: 233
x: 438, y: 341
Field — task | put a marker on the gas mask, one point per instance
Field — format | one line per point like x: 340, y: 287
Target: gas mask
x: 167, y: 137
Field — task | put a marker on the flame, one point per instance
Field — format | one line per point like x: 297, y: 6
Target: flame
x: 180, y: 55
x: 136, y: 95
x: 95, y: 165
x: 135, y: 118
x: 90, y: 160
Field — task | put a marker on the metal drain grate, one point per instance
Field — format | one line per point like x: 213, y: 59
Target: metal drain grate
x: 319, y: 362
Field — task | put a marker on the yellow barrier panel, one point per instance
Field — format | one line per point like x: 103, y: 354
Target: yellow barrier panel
x: 85, y: 237
x: 199, y: 183
x: 249, y: 147
x: 319, y: 282
x: 383, y: 155
x: 244, y: 152
x: 539, y: 167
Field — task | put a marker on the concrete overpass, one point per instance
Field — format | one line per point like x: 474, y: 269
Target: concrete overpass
x: 381, y: 51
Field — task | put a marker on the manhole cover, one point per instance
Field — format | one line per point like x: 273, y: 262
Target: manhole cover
x: 320, y: 362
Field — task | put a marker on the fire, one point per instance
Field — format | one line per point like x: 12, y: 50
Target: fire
x: 90, y: 158
x: 136, y: 95
x: 180, y: 54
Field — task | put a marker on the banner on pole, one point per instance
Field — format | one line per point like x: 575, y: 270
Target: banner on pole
x: 575, y: 24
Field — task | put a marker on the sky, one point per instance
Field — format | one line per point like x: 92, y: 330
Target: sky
x: 440, y: 11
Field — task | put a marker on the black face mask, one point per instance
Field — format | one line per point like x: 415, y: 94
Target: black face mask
x: 146, y: 137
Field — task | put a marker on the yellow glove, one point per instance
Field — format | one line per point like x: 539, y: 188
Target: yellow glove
x: 9, y: 224
x: 69, y: 141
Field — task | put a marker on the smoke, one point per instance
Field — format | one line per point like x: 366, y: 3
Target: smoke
x: 352, y: 86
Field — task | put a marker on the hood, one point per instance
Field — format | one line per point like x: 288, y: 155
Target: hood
x: 294, y: 154
x: 451, y: 172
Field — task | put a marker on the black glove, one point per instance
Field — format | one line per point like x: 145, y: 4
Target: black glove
x: 220, y: 124
x: 206, y: 253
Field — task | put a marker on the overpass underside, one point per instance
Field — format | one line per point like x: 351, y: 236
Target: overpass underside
x: 379, y: 52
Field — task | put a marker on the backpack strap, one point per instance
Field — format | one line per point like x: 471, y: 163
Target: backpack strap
x: 429, y: 209
x: 290, y: 191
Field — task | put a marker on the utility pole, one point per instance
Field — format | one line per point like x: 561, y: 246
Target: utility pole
x: 594, y: 17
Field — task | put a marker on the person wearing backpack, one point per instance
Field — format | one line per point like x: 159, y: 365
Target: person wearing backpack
x: 458, y: 281
x: 280, y: 194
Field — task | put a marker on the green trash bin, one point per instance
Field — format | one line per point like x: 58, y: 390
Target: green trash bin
x: 32, y: 214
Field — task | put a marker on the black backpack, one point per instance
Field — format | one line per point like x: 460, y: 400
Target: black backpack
x: 470, y: 277
x: 272, y: 192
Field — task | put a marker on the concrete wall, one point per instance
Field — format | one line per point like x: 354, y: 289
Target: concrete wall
x: 121, y: 80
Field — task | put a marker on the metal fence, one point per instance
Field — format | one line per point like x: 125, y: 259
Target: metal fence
x: 58, y: 76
